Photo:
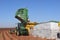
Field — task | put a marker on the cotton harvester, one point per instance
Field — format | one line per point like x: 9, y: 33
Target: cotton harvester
x: 25, y: 25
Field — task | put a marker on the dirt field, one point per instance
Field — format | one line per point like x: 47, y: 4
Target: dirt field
x: 5, y: 35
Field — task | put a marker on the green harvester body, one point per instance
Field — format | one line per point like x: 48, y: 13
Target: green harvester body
x: 22, y: 16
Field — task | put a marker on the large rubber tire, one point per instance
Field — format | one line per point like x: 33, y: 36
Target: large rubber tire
x: 58, y: 35
x: 22, y: 32
x: 10, y: 32
x: 26, y: 33
x: 17, y: 33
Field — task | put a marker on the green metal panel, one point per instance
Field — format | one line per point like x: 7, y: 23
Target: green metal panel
x: 22, y: 14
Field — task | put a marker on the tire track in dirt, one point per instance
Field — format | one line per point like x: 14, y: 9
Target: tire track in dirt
x: 11, y: 36
x: 1, y: 36
x: 15, y: 36
x: 5, y: 37
x: 21, y: 37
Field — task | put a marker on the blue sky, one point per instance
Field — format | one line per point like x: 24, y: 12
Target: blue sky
x: 38, y: 11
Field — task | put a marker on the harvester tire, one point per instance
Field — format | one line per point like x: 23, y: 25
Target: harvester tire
x: 26, y: 33
x: 58, y: 35
x: 17, y: 33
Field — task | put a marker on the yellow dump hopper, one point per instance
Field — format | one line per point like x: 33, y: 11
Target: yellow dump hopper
x: 30, y: 25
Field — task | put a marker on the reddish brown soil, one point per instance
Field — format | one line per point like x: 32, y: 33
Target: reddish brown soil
x: 5, y: 35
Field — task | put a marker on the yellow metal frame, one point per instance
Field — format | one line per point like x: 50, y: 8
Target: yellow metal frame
x: 59, y: 24
x: 30, y: 25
